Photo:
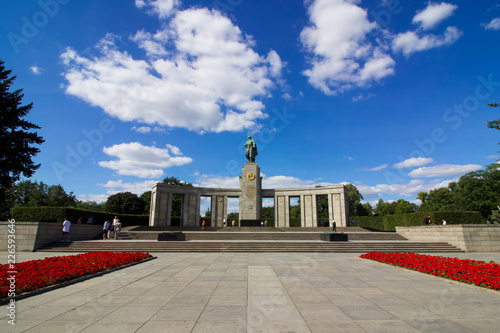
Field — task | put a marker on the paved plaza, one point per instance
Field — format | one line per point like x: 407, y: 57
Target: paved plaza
x: 259, y: 292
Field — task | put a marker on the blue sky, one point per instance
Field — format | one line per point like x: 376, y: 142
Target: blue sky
x: 390, y: 96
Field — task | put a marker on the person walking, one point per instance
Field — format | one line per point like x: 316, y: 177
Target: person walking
x: 334, y: 226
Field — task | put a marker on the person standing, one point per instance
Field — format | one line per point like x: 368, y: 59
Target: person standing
x: 334, y: 226
x: 105, y: 230
x: 427, y: 220
x: 65, y: 231
x: 202, y: 225
x: 117, y: 226
x: 444, y: 222
x: 232, y: 223
x: 224, y: 223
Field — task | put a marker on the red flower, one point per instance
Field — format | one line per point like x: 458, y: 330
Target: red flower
x: 36, y: 274
x: 468, y: 271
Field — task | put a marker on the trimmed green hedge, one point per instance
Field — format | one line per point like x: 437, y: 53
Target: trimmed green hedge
x: 390, y: 222
x: 57, y: 214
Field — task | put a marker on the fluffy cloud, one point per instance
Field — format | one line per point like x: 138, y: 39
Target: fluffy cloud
x: 341, y: 57
x: 200, y: 73
x: 273, y: 182
x: 434, y: 14
x: 444, y: 170
x: 413, y: 162
x: 492, y: 25
x: 410, y: 189
x: 410, y: 42
x: 416, y: 41
x: 134, y: 159
x: 138, y: 188
x: 162, y: 8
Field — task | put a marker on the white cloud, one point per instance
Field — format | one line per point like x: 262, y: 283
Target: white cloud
x: 274, y: 182
x: 496, y: 157
x: 201, y: 74
x: 98, y: 198
x: 162, y: 8
x: 349, y: 158
x: 492, y: 25
x: 138, y: 188
x: 410, y: 189
x: 134, y: 159
x: 444, y: 170
x: 340, y: 57
x: 142, y: 129
x: 37, y: 70
x: 362, y: 97
x: 413, y: 162
x: 409, y: 42
x: 152, y: 44
x: 434, y: 14
x: 380, y: 167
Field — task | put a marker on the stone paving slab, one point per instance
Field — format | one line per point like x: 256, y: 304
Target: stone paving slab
x: 259, y: 292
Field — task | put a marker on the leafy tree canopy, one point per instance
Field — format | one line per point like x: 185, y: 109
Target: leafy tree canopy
x: 474, y: 191
x: 34, y: 194
x: 18, y: 137
x: 125, y: 203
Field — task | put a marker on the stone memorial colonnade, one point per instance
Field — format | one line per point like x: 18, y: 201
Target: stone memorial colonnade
x: 162, y: 194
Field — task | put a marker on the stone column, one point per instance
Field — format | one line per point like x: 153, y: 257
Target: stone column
x: 153, y: 210
x: 251, y: 195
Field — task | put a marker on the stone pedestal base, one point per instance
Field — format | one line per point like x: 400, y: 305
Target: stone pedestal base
x: 334, y: 237
x: 250, y: 223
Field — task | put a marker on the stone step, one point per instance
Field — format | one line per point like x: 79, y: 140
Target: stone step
x: 128, y: 246
x: 223, y: 235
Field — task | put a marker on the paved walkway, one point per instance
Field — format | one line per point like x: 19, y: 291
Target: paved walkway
x: 255, y: 292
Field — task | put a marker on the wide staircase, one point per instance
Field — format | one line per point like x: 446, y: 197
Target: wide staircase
x: 252, y: 239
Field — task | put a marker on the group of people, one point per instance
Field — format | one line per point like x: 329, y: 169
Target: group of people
x: 428, y: 221
x: 115, y: 227
x: 108, y: 228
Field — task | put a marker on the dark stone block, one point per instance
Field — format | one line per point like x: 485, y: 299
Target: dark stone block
x: 334, y: 237
x: 250, y: 223
x: 171, y: 236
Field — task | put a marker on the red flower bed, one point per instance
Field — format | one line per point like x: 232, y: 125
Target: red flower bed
x: 475, y: 272
x: 35, y: 274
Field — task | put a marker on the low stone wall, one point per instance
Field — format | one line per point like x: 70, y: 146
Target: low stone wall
x: 33, y: 235
x: 468, y: 237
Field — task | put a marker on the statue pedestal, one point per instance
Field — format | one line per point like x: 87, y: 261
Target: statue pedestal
x: 251, y: 195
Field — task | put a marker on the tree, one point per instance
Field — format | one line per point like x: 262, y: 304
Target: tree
x: 365, y: 209
x: 146, y: 198
x: 17, y: 139
x: 125, y: 203
x: 478, y: 190
x: 92, y: 205
x: 34, y: 194
x: 440, y: 199
x: 354, y: 199
x: 267, y: 213
x: 404, y: 207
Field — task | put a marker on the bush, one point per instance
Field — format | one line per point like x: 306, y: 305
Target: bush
x: 390, y: 222
x: 373, y: 223
x: 57, y: 214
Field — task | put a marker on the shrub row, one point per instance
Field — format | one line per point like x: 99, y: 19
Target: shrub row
x: 57, y: 214
x: 390, y: 222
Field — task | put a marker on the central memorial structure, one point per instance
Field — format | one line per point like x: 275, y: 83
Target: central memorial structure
x: 250, y: 196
